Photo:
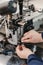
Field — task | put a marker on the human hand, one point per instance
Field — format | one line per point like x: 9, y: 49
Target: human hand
x: 23, y: 53
x: 32, y: 37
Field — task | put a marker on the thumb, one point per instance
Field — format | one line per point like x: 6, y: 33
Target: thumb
x: 23, y: 46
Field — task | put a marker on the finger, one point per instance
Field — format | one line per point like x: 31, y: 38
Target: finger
x: 26, y: 33
x: 23, y: 46
x: 27, y: 40
x: 26, y: 37
x: 17, y: 48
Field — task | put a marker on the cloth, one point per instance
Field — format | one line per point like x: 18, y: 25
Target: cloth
x: 34, y: 60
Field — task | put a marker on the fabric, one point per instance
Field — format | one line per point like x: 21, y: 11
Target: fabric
x: 42, y: 35
x: 34, y: 60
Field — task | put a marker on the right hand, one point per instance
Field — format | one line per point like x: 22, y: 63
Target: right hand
x: 23, y: 53
x: 32, y: 37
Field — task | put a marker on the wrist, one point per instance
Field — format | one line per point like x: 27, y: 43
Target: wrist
x: 30, y: 54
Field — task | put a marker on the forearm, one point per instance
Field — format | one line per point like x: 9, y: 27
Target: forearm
x: 34, y: 60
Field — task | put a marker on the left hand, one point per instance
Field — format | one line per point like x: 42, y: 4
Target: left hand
x: 32, y: 37
x: 23, y: 53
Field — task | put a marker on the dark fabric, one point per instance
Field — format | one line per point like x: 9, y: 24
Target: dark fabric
x: 42, y: 35
x: 34, y: 60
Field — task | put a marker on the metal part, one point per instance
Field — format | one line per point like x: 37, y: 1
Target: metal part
x: 21, y: 7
